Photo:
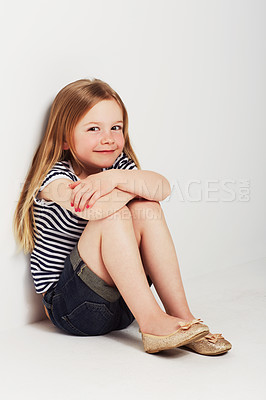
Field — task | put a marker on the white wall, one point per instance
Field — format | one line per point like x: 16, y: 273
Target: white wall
x: 191, y: 74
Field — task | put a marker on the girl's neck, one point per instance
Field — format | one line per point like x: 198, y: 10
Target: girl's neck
x: 84, y: 173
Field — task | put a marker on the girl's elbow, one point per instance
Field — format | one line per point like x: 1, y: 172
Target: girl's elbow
x: 165, y: 191
x: 169, y: 190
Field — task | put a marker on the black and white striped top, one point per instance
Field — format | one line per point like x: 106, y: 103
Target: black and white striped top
x: 58, y: 230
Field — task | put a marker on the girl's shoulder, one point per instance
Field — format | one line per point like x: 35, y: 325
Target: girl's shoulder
x: 63, y: 166
x: 61, y: 169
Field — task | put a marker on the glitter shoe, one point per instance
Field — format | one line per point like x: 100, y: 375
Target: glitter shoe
x: 185, y: 334
x: 210, y: 345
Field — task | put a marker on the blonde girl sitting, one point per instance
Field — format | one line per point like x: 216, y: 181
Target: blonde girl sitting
x: 98, y: 239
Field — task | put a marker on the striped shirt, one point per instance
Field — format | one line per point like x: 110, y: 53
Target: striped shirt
x: 58, y: 229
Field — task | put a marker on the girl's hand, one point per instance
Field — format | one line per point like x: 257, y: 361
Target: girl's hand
x: 87, y: 191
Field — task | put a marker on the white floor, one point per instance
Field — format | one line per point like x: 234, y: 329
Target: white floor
x: 42, y: 363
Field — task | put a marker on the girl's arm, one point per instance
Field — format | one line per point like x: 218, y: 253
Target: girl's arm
x: 59, y: 192
x: 145, y: 184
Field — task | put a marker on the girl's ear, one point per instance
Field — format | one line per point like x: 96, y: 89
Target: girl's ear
x: 65, y: 146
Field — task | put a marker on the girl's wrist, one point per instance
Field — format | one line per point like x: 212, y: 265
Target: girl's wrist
x: 114, y: 176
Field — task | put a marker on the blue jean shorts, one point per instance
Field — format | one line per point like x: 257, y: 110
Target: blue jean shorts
x: 83, y: 304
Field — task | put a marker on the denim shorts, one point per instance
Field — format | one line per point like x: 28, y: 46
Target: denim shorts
x: 83, y: 304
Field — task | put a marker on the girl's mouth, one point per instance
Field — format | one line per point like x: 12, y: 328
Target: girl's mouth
x: 105, y: 151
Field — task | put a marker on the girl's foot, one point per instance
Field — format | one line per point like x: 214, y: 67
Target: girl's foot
x: 210, y: 345
x: 164, y: 325
x: 186, y: 333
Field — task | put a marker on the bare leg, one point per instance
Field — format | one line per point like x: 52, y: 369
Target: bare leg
x: 159, y: 256
x: 109, y: 247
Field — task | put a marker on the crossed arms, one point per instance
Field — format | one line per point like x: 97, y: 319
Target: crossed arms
x: 106, y: 192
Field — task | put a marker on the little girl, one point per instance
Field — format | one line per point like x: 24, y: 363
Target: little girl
x: 92, y: 221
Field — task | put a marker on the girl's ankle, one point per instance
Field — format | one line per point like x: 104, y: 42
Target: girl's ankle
x: 183, y: 316
x: 163, y: 326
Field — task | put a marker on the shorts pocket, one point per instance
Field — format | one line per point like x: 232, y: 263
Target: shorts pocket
x: 89, y: 319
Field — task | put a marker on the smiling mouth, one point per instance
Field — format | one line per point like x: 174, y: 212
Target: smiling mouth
x: 105, y: 151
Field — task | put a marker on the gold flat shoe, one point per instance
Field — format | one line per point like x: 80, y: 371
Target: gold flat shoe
x: 185, y: 334
x: 210, y: 345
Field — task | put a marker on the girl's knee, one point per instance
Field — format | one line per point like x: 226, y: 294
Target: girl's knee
x: 121, y: 214
x: 137, y: 203
x: 145, y: 209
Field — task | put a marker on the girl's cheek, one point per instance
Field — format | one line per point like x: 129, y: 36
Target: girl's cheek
x: 92, y: 142
x: 121, y: 142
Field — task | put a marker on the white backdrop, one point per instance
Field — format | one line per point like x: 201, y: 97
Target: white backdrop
x: 192, y: 76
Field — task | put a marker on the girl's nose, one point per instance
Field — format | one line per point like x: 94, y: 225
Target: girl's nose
x: 107, y: 138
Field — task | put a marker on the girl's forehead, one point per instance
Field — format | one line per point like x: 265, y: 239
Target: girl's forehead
x: 104, y: 110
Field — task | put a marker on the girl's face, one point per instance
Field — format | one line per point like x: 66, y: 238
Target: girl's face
x: 98, y: 136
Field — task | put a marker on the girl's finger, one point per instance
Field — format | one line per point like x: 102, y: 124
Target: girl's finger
x: 85, y: 198
x: 81, y: 196
x: 76, y: 190
x: 93, y: 199
x: 74, y: 184
x: 76, y: 196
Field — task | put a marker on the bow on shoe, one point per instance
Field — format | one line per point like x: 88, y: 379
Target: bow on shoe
x: 213, y: 337
x: 187, y: 325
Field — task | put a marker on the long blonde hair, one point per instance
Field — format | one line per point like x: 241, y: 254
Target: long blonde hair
x: 69, y: 106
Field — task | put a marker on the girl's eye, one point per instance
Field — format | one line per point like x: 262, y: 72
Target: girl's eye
x: 116, y: 126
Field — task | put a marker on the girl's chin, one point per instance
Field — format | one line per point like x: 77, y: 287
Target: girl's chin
x: 107, y: 157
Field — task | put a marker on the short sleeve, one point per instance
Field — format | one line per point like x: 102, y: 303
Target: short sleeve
x: 123, y: 162
x: 59, y: 171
